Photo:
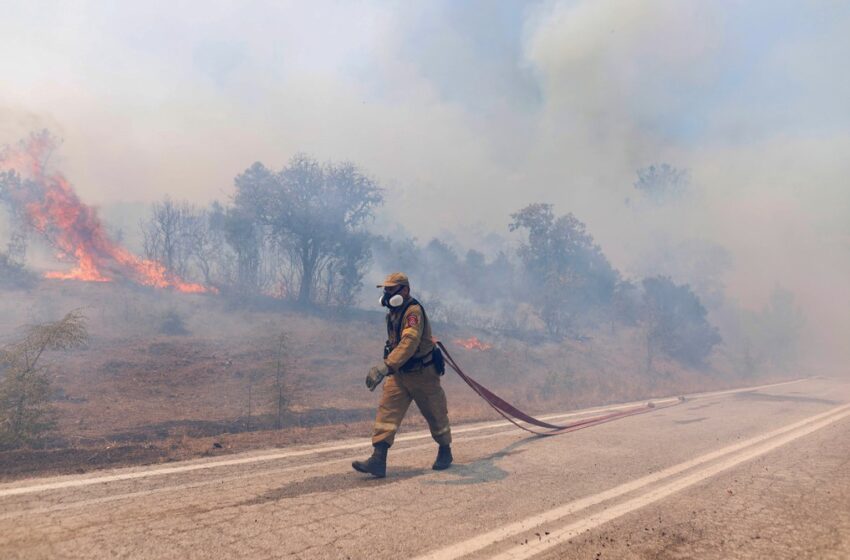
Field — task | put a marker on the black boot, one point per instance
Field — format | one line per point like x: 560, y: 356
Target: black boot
x: 376, y: 465
x: 444, y: 458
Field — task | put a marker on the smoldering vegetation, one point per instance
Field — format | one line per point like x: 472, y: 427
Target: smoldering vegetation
x: 259, y: 313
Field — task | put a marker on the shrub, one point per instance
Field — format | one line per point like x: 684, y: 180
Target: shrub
x: 25, y: 413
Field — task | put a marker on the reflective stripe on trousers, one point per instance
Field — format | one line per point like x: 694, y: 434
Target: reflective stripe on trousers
x: 400, y: 389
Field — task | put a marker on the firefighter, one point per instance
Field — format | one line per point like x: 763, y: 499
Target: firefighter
x: 412, y: 366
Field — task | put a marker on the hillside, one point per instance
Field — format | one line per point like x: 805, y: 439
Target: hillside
x: 138, y: 394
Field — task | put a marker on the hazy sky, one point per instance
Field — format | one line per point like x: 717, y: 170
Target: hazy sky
x: 466, y: 111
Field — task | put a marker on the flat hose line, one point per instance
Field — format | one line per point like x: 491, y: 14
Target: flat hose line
x: 514, y: 415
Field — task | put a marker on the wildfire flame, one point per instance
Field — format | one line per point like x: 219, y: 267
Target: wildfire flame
x: 473, y: 343
x: 49, y: 205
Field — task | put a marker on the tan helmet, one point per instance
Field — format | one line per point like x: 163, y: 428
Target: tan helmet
x: 395, y: 279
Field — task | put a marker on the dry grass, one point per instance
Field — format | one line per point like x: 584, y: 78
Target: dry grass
x: 134, y: 395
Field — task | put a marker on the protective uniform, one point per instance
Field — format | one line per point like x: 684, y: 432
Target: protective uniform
x: 411, y: 376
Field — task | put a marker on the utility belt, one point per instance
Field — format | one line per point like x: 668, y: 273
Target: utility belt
x: 435, y: 358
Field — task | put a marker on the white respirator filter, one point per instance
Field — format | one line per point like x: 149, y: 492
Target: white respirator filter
x: 396, y: 300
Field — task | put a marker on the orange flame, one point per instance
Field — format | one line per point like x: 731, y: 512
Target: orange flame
x: 473, y: 343
x: 51, y: 207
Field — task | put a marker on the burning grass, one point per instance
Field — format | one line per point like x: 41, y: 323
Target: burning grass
x: 49, y: 205
x: 472, y: 343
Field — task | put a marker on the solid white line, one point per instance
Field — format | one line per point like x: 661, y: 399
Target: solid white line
x: 66, y: 482
x: 583, y: 525
x: 479, y: 542
x: 211, y: 481
x: 160, y: 471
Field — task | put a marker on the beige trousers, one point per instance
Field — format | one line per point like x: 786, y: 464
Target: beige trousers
x: 423, y: 387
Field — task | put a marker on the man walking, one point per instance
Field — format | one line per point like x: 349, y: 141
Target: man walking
x: 413, y: 366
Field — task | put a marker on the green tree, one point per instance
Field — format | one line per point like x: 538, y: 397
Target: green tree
x: 770, y: 336
x: 676, y: 323
x: 662, y: 183
x: 317, y: 212
x: 568, y: 276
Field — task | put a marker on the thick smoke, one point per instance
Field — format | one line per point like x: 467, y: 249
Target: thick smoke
x: 556, y: 102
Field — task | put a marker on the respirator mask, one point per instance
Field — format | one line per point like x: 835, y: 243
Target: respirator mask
x: 392, y: 299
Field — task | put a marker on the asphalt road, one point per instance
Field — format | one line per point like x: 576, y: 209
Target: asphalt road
x: 761, y: 473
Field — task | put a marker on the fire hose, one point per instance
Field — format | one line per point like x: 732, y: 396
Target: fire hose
x: 514, y: 415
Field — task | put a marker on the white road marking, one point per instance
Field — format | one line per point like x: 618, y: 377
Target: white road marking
x: 15, y: 489
x: 479, y: 542
x: 562, y: 535
x: 159, y: 471
x: 219, y: 480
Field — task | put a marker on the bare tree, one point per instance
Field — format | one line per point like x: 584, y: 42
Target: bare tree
x: 252, y: 378
x: 206, y: 242
x: 285, y: 387
x: 25, y: 384
x: 245, y: 238
x: 168, y: 234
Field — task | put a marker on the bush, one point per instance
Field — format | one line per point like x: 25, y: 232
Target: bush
x: 25, y: 413
x: 173, y: 324
x: 14, y: 275
x: 676, y: 323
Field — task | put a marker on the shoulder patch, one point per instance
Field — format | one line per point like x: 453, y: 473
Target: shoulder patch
x: 412, y: 320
